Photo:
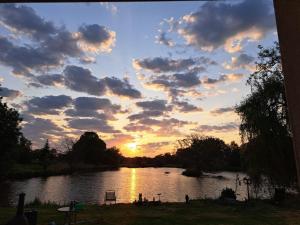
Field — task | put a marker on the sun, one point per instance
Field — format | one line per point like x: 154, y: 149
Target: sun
x: 132, y: 146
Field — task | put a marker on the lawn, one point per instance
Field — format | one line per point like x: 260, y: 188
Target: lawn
x: 197, y: 212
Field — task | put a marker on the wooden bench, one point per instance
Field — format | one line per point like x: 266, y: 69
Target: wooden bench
x: 110, y: 196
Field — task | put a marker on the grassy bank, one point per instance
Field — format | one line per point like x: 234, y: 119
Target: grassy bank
x: 197, y: 212
x: 22, y: 171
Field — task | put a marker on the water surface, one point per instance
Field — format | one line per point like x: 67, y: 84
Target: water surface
x: 127, y: 182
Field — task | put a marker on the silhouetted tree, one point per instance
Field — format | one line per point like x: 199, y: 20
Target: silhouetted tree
x: 233, y: 157
x: 265, y: 124
x: 9, y: 135
x: 112, y: 156
x: 166, y: 159
x: 45, y: 155
x: 25, y: 154
x: 67, y: 146
x: 202, y: 152
x: 89, y: 149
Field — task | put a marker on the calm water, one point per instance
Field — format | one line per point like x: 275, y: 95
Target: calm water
x: 127, y: 182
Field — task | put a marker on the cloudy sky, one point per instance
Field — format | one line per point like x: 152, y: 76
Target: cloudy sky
x: 142, y: 75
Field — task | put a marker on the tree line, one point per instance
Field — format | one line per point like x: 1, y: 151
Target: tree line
x: 196, y: 153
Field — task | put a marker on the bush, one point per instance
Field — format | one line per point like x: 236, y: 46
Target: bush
x: 279, y: 195
x: 228, y: 193
x: 192, y: 172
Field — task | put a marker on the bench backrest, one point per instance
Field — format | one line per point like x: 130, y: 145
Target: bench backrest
x: 110, y: 195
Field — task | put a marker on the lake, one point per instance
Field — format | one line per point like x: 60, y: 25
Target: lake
x: 127, y: 182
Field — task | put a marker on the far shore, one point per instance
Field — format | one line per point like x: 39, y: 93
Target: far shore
x: 35, y: 170
x: 26, y: 171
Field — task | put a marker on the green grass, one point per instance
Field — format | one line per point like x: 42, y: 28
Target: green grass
x: 195, y: 213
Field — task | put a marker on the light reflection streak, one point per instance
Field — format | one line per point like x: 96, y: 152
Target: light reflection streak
x: 133, y: 185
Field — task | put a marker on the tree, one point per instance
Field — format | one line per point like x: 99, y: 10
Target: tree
x: 9, y: 135
x: 24, y: 150
x: 45, y: 155
x: 166, y: 159
x: 112, y: 156
x: 233, y: 157
x: 202, y: 152
x: 89, y: 149
x: 265, y: 123
x: 67, y: 146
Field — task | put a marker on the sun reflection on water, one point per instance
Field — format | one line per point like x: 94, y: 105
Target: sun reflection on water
x: 133, y: 185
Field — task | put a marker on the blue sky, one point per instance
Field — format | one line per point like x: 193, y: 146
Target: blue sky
x: 153, y: 72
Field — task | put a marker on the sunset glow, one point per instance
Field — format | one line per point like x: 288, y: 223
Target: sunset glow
x: 132, y: 147
x: 141, y: 75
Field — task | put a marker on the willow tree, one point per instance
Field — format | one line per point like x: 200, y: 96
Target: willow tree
x: 264, y: 125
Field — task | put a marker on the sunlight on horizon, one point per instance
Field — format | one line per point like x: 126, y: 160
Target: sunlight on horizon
x: 132, y: 147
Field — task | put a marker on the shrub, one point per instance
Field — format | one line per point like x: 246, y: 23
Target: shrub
x: 228, y: 193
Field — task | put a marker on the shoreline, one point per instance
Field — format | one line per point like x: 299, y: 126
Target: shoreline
x: 21, y: 174
x: 66, y: 171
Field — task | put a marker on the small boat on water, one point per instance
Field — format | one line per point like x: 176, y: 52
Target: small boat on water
x: 167, y: 172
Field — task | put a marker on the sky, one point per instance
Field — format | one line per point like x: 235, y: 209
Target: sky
x: 142, y: 75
